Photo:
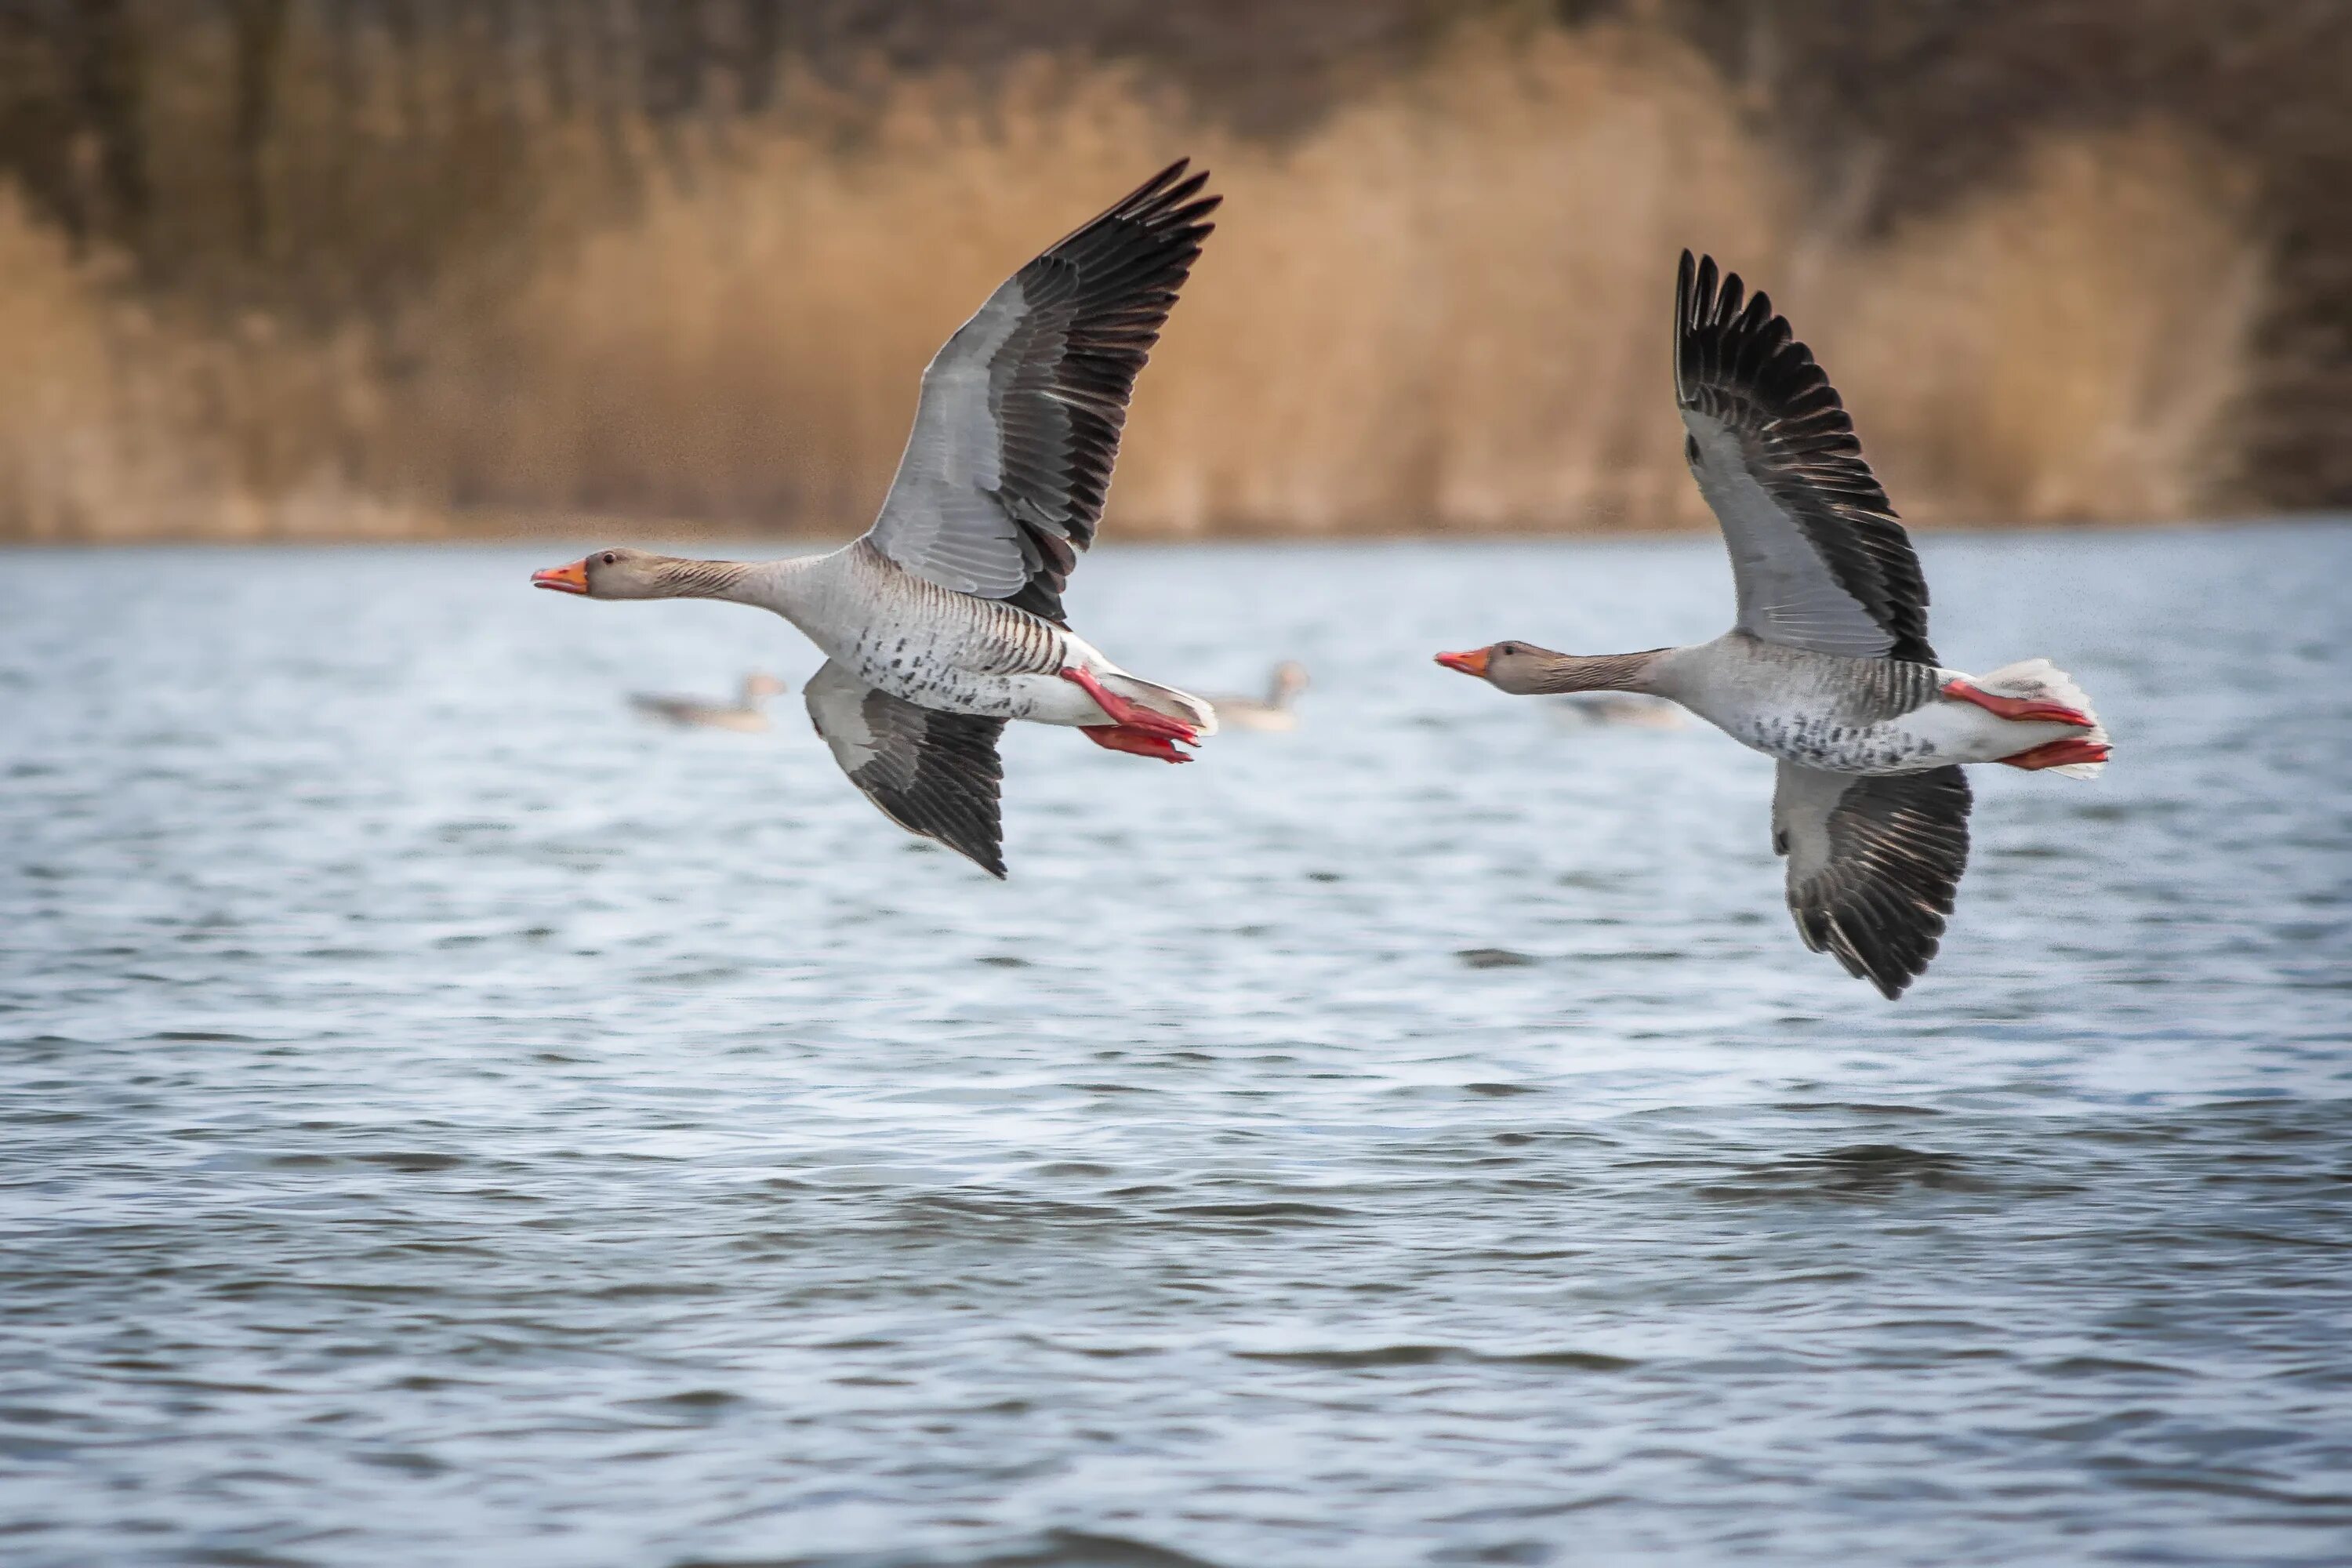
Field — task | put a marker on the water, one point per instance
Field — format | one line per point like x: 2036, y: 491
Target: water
x: 445, y: 1121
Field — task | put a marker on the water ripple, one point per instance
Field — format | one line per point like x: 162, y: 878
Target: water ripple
x: 444, y: 1121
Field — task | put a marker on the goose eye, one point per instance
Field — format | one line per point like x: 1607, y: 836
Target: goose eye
x: 608, y: 558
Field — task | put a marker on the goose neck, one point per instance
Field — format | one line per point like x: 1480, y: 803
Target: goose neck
x: 1567, y: 672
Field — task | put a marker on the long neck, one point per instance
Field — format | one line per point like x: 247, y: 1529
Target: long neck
x: 683, y: 577
x: 1595, y: 672
x: 766, y: 584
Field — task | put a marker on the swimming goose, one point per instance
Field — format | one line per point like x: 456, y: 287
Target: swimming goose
x: 1275, y: 710
x: 1828, y: 667
x: 944, y: 621
x: 749, y: 713
x: 1620, y: 710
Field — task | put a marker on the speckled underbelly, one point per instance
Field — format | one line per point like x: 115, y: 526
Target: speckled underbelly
x: 1890, y: 747
x: 929, y: 684
x: 968, y: 675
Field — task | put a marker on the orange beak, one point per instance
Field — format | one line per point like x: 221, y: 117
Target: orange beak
x: 1471, y: 663
x: 572, y: 579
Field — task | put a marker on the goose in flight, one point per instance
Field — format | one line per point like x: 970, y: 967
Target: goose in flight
x: 944, y: 622
x: 1827, y: 668
x: 747, y: 712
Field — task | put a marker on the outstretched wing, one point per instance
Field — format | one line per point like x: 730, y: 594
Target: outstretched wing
x: 1818, y: 560
x: 1873, y: 863
x: 1004, y: 473
x: 933, y: 773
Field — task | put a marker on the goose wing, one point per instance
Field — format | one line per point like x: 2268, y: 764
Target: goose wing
x: 1818, y: 560
x: 1004, y: 473
x: 1873, y: 863
x: 933, y: 773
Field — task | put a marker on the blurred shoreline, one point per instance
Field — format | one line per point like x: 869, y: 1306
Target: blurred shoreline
x: 693, y: 537
x: 365, y: 272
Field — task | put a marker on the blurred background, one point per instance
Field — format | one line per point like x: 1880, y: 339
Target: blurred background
x: 390, y: 269
x: 447, y: 1118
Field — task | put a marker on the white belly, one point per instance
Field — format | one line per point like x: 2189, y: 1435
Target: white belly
x: 937, y: 650
x: 950, y: 673
x: 1825, y: 713
x: 1038, y: 698
x: 1937, y: 735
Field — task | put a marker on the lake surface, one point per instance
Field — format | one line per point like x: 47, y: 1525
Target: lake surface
x: 445, y: 1119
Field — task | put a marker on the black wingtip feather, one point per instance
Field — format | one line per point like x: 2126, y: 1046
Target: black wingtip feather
x: 1738, y: 359
x: 1899, y: 845
x: 1109, y: 285
x: 947, y: 789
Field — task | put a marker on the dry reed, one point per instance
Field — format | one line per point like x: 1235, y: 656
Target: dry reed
x: 1445, y: 307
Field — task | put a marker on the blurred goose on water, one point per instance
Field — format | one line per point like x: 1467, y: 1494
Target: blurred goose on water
x: 1827, y: 669
x: 1598, y: 710
x: 944, y: 622
x: 1276, y: 710
x: 747, y: 712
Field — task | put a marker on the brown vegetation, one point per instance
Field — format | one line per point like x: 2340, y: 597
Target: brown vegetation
x: 407, y: 283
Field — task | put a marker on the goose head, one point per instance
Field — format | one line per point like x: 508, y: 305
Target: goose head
x: 1515, y: 667
x: 616, y: 573
x: 1523, y: 668
x: 621, y: 572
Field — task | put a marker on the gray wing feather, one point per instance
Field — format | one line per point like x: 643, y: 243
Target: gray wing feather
x: 1785, y: 591
x: 1874, y: 863
x: 1006, y: 471
x: 935, y: 775
x: 942, y: 521
x: 1818, y: 558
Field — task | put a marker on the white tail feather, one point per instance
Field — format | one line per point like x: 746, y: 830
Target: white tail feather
x: 1165, y: 700
x: 2038, y: 680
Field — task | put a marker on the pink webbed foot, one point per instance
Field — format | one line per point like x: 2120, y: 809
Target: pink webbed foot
x: 2023, y: 710
x: 1119, y: 738
x: 2058, y: 753
x: 1126, y: 715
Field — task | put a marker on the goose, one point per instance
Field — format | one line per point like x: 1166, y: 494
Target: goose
x: 944, y: 622
x: 1275, y: 710
x: 1613, y: 709
x: 749, y: 713
x: 1827, y: 668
